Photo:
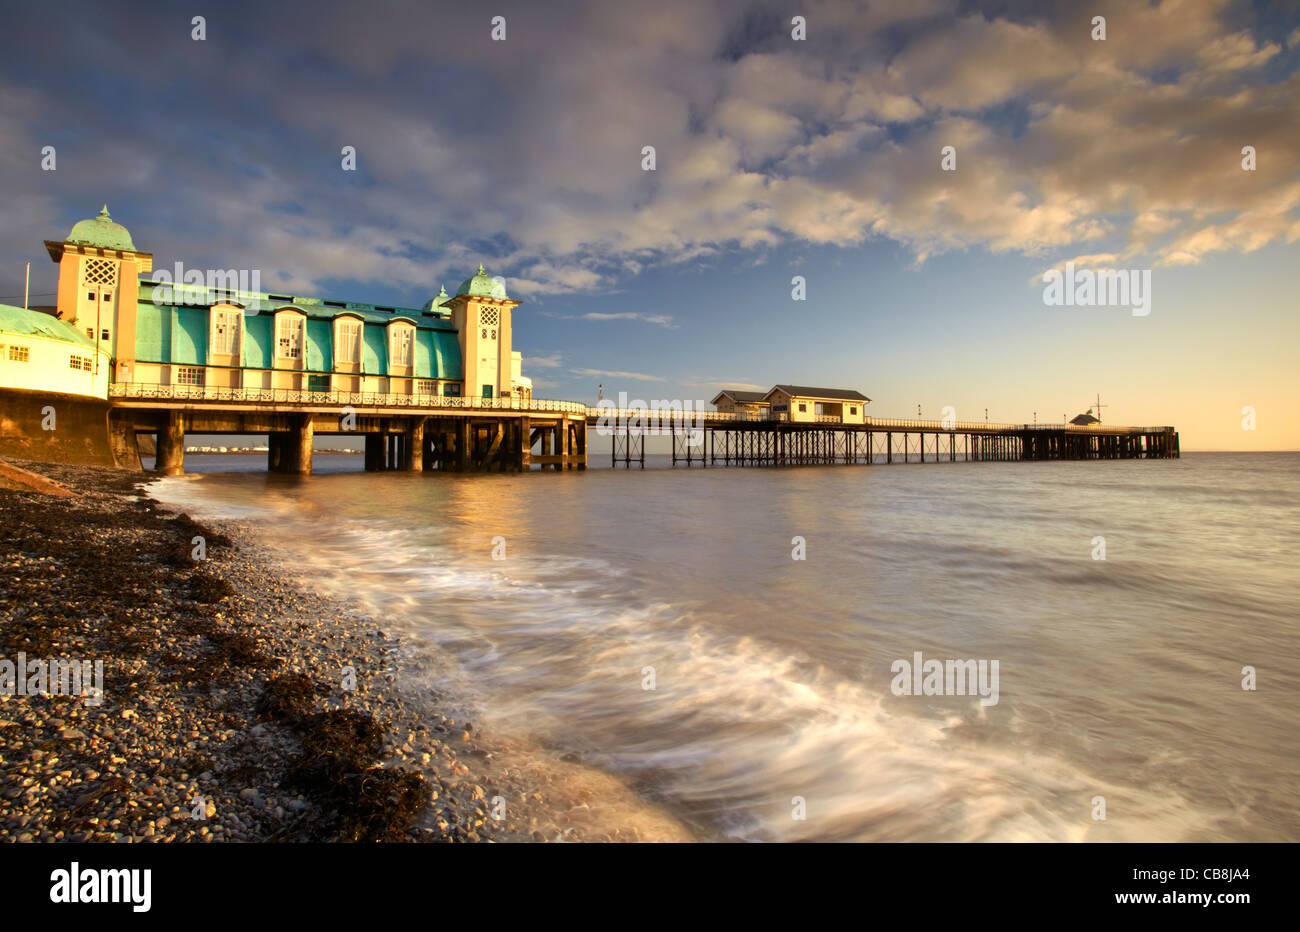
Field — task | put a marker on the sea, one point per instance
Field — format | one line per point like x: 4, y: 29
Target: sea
x: 743, y: 649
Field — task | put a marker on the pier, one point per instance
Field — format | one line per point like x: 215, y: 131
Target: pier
x: 401, y: 432
x: 740, y: 439
x: 467, y: 434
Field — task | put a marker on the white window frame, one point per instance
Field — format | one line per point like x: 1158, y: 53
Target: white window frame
x: 231, y: 321
x: 195, y: 373
x: 347, y: 348
x: 290, y: 335
x: 401, y: 346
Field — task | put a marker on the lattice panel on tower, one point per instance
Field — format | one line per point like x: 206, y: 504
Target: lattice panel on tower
x: 99, y: 272
x: 489, y: 316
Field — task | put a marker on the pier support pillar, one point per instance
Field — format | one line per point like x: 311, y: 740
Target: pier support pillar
x: 462, y: 444
x: 525, y: 444
x: 171, y: 445
x: 122, y: 442
x: 299, y: 442
x: 413, y: 444
x: 374, y: 452
x: 428, y: 455
x: 275, y: 452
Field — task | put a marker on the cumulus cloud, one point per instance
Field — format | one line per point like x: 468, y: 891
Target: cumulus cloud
x: 530, y: 161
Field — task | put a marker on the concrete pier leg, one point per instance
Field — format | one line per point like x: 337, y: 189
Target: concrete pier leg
x: 171, y: 445
x: 462, y: 445
x: 414, y: 445
x: 446, y: 445
x: 580, y: 432
x: 374, y: 452
x: 525, y: 444
x: 300, y: 441
x: 426, y: 445
x: 123, y: 444
x: 275, y: 452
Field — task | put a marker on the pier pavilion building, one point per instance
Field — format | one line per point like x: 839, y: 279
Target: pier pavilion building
x: 212, y: 333
x: 733, y: 401
x: 802, y: 403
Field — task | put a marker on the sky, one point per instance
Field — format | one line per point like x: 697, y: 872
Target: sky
x: 775, y: 157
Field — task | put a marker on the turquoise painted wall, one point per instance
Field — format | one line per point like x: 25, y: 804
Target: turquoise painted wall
x: 320, y: 341
x: 257, y: 342
x: 425, y: 356
x: 447, y: 347
x: 180, y: 335
x: 190, y: 336
x: 374, y: 351
x: 153, y: 333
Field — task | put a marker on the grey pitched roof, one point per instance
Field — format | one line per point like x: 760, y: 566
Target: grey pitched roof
x: 803, y: 391
x: 743, y: 397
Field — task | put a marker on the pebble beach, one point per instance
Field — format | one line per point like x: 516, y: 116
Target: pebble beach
x: 235, y: 706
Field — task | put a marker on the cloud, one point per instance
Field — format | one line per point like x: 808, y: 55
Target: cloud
x: 661, y: 320
x: 531, y: 161
x: 1101, y: 260
x: 609, y: 374
x: 719, y: 384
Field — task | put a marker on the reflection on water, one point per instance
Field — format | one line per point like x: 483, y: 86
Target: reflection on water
x: 1119, y: 678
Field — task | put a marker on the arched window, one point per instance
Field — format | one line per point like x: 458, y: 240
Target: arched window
x: 401, y: 345
x: 347, y: 340
x: 289, y: 329
x: 227, y: 323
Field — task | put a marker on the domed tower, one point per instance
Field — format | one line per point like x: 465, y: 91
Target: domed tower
x: 481, y: 312
x: 99, y: 270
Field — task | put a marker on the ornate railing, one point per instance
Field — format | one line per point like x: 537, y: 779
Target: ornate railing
x: 620, y: 416
x: 197, y: 393
x: 669, y: 416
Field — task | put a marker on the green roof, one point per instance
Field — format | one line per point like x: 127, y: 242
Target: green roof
x: 483, y: 285
x: 254, y: 303
x: 103, y: 232
x: 437, y: 300
x: 36, y: 323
